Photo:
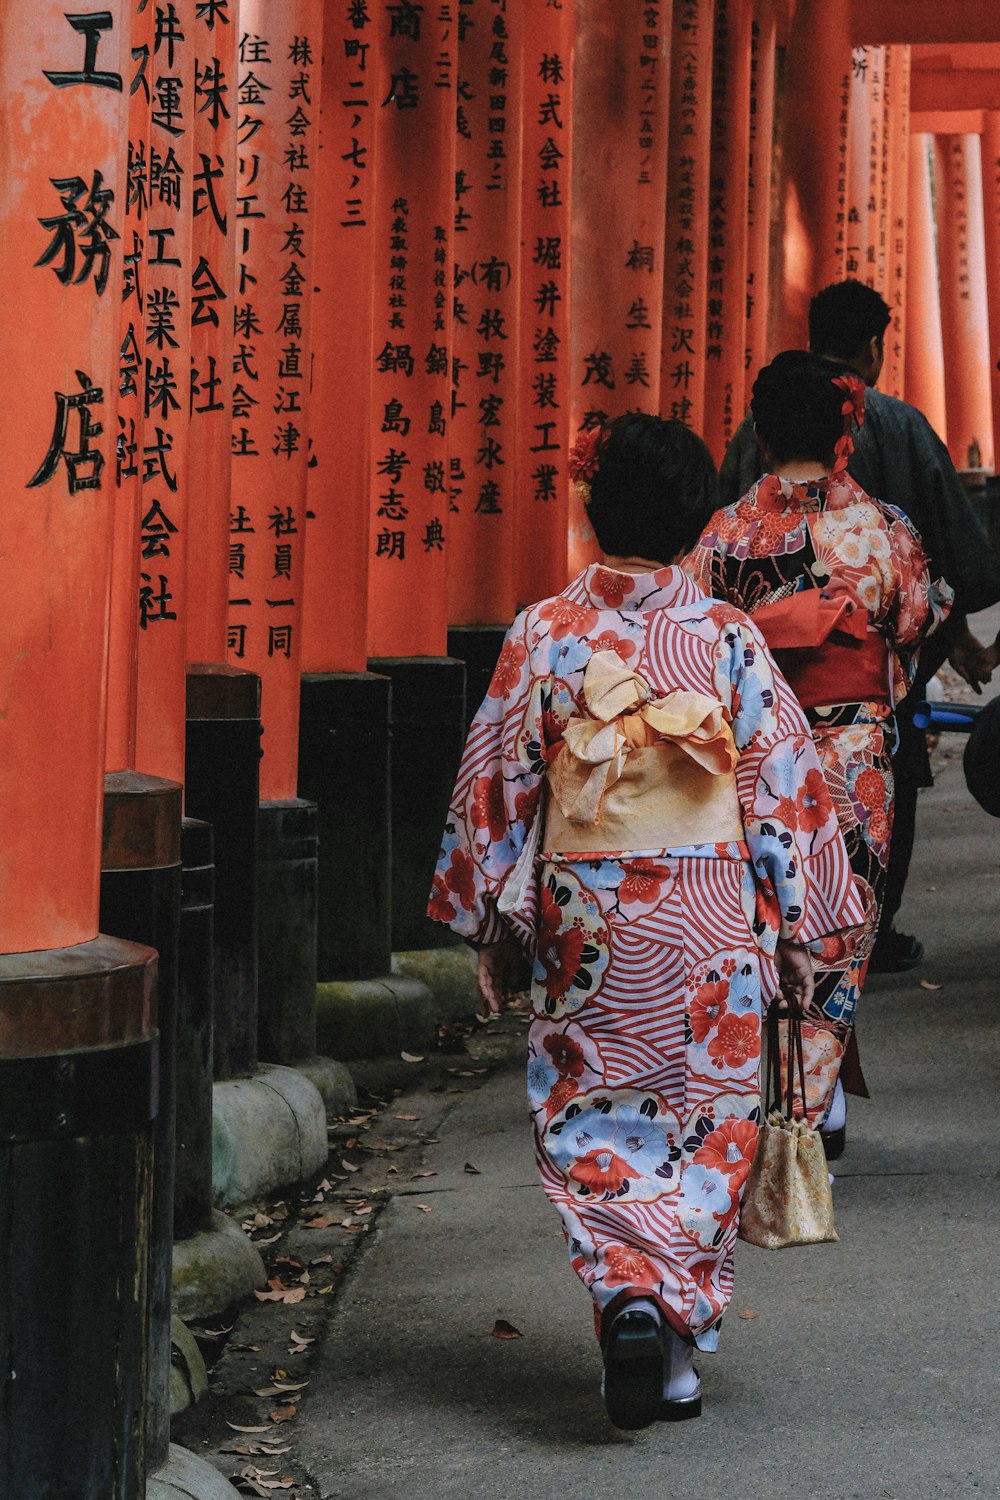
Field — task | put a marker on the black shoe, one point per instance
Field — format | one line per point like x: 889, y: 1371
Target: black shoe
x: 895, y: 952
x: 834, y: 1142
x: 633, y: 1370
x: 682, y: 1410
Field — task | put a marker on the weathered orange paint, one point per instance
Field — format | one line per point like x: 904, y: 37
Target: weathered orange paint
x: 725, y: 328
x: 924, y: 21
x: 543, y: 377
x: 991, y: 221
x: 685, y: 281
x: 964, y: 319
x: 939, y: 122
x: 162, y: 456
x: 60, y: 333
x: 335, y: 609
x: 213, y: 269
x: 762, y: 81
x: 897, y: 181
x: 132, y: 188
x: 414, y: 103
x: 864, y: 259
x: 275, y: 200
x: 486, y: 333
x: 817, y: 63
x: 620, y: 132
x: 923, y: 384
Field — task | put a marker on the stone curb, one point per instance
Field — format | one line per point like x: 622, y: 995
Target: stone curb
x: 186, y: 1477
x: 213, y: 1269
x: 268, y: 1132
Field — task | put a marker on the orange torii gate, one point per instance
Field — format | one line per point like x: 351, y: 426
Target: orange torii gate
x: 964, y: 321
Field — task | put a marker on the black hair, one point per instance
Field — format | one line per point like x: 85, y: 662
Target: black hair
x: 654, y: 490
x: 845, y: 317
x: 797, y: 409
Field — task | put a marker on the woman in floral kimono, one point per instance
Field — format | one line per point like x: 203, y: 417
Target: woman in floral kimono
x: 838, y: 584
x: 641, y: 803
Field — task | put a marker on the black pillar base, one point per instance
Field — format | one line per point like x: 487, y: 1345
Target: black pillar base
x: 344, y: 769
x: 428, y: 732
x: 287, y: 933
x: 222, y: 788
x: 478, y: 646
x: 77, y: 1105
x: 140, y: 901
x: 193, y: 1166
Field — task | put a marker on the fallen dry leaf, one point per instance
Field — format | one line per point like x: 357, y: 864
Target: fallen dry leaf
x: 299, y: 1340
x: 323, y: 1291
x: 237, y: 1428
x: 424, y: 1208
x: 323, y: 1222
x: 417, y: 1175
x: 350, y: 1166
x: 411, y: 1057
x: 747, y: 1313
x: 406, y: 1117
x: 473, y: 1171
x: 270, y: 1296
x: 321, y: 1260
x: 925, y: 984
x: 296, y: 1294
x: 284, y: 1413
x: 503, y: 1330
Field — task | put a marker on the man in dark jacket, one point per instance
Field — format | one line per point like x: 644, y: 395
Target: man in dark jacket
x: 898, y: 458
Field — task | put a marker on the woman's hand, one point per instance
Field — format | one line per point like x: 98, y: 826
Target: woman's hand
x: 797, y: 984
x: 499, y: 969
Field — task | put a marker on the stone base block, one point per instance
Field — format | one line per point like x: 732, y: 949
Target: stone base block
x: 185, y: 1477
x: 214, y: 1268
x: 188, y: 1376
x: 334, y: 1082
x: 268, y: 1132
x: 361, y: 1018
x: 449, y: 974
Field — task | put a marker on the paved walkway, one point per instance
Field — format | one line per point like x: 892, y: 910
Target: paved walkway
x: 856, y: 1371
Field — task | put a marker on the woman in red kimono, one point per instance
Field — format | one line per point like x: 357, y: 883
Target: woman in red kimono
x: 641, y: 804
x: 838, y: 584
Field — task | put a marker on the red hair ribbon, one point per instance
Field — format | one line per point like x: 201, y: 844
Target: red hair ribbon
x: 853, y: 411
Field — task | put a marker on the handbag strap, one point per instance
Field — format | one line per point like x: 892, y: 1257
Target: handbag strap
x: 775, y: 1095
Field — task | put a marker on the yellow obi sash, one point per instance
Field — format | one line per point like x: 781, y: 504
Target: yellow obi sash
x: 643, y: 772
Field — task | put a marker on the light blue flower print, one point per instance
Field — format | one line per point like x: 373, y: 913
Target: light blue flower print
x: 602, y: 875
x: 569, y: 655
x: 749, y: 715
x: 449, y: 840
x: 744, y: 990
x: 704, y: 1189
x: 542, y: 1077
x: 635, y: 1139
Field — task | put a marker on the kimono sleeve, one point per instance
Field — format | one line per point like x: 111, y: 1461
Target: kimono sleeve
x: 805, y: 887
x: 496, y: 797
x: 706, y: 562
x: 919, y: 603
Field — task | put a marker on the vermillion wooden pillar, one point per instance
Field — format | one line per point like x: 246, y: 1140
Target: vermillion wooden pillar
x: 685, y: 285
x: 620, y: 126
x: 413, y: 100
x: 162, y: 457
x: 817, y: 70
x: 210, y: 197
x: 543, y: 388
x: 334, y: 622
x: 486, y: 332
x: 344, y: 723
x: 923, y: 384
x: 274, y: 214
x: 133, y: 192
x: 964, y: 318
x: 897, y: 173
x: 725, y: 328
x: 77, y: 1011
x: 991, y: 222
x: 762, y: 84
x: 415, y: 52
x: 61, y: 250
x: 865, y: 259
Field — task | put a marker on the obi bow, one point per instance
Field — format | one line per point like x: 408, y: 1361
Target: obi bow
x: 812, y: 616
x: 627, y: 717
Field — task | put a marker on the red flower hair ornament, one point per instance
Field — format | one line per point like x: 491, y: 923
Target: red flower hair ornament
x: 584, y: 457
x: 853, y: 411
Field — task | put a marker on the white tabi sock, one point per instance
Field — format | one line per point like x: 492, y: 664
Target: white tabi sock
x: 838, y: 1109
x: 680, y: 1378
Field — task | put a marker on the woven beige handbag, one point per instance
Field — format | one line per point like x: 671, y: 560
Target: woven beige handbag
x: 787, y: 1198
